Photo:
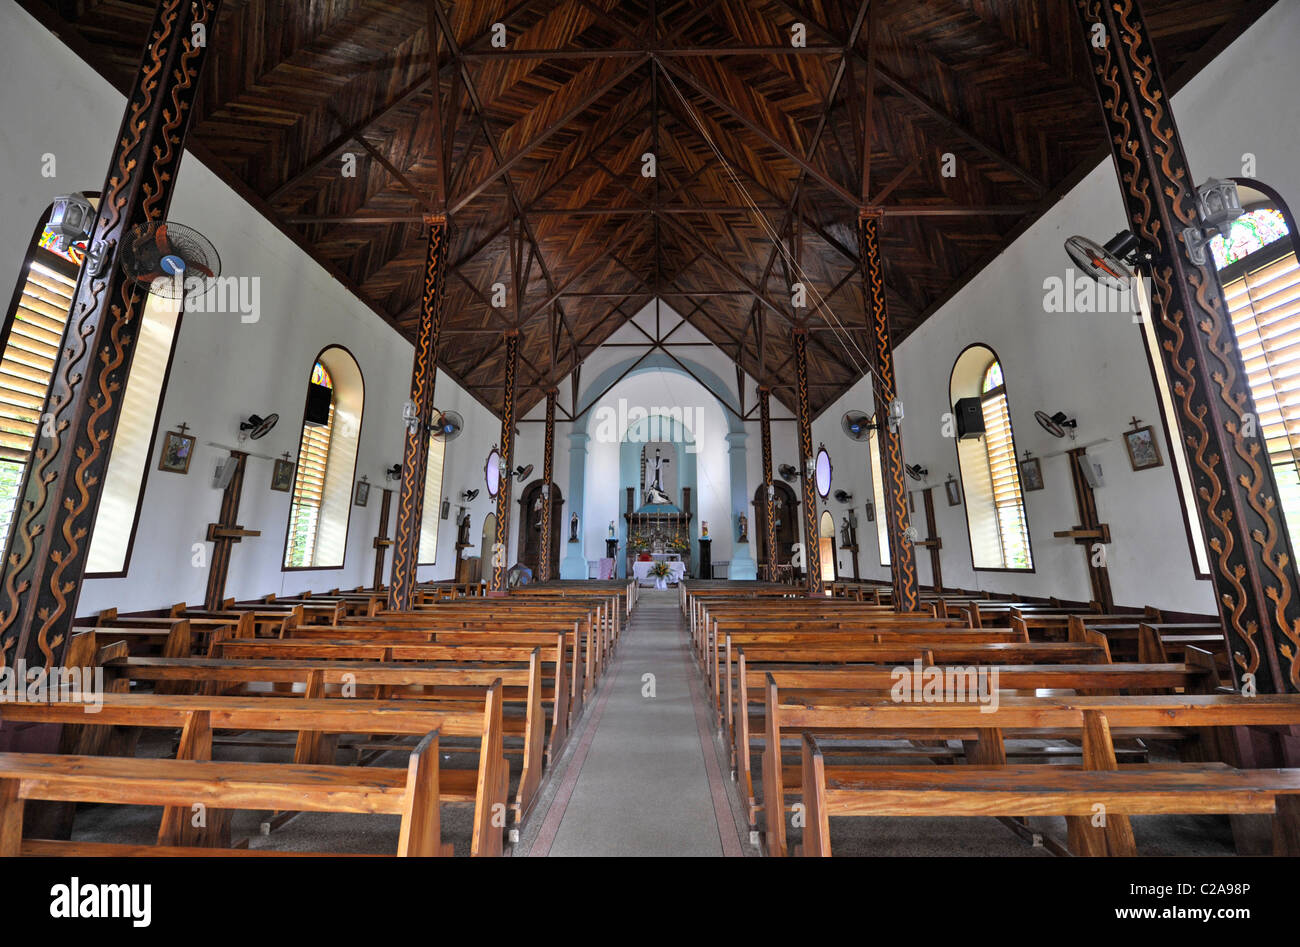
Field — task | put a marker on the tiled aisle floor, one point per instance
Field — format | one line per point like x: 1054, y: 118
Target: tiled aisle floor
x: 644, y: 779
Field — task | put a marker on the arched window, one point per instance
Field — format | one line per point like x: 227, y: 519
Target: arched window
x: 1261, y: 287
x: 33, y: 332
x: 431, y: 516
x: 327, y: 457
x: 995, y: 506
x: 878, y: 497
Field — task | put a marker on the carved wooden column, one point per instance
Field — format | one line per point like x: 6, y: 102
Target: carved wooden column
x: 548, y: 456
x: 902, y: 561
x: 1253, y: 568
x: 381, y: 541
x: 769, y: 489
x: 812, y: 545
x: 51, y: 528
x: 415, y: 452
x: 225, y: 532
x: 499, y: 567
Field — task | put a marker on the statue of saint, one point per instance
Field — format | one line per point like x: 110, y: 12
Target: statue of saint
x: 462, y: 537
x: 573, y: 528
x: 704, y: 529
x: 613, y: 533
x: 654, y: 493
x: 846, y: 538
x: 742, y: 528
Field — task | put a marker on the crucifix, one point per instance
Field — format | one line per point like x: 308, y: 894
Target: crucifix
x: 224, y: 533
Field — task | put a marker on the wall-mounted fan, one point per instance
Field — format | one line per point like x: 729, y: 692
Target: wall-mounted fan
x: 916, y: 471
x: 257, y: 427
x: 469, y: 495
x: 393, y: 472
x: 1111, y: 262
x: 522, y: 472
x: 789, y: 472
x: 1058, y: 424
x: 857, y: 425
x: 162, y: 255
x: 447, y: 425
x: 843, y: 496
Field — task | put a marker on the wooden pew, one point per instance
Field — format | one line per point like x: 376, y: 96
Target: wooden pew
x: 413, y: 794
x: 312, y: 719
x: 748, y: 735
x: 1073, y: 792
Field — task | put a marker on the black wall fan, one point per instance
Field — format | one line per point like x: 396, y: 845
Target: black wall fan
x: 522, y: 472
x: 447, y: 425
x: 1057, y: 424
x: 843, y: 496
x: 789, y: 472
x: 916, y: 471
x: 163, y: 255
x: 469, y: 495
x: 257, y: 427
x: 1109, y: 263
x: 857, y: 425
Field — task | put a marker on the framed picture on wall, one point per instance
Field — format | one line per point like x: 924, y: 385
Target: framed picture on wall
x: 1143, y: 451
x: 363, y: 492
x: 871, y: 512
x: 282, y: 476
x: 953, y: 490
x: 1031, y: 474
x: 177, y: 450
x: 446, y: 509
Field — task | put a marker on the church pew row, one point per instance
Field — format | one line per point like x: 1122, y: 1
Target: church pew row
x: 748, y: 735
x: 311, y: 783
x: 992, y: 787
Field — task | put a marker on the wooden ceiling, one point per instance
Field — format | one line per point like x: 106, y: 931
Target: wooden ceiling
x: 542, y: 146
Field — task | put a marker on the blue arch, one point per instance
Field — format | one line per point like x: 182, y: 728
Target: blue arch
x: 658, y: 361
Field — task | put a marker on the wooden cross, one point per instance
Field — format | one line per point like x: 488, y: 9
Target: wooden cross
x: 224, y: 533
x: 182, y: 428
x: 1135, y: 422
x: 381, y: 541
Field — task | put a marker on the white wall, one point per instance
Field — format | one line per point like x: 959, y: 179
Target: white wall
x: 223, y: 368
x: 1093, y: 366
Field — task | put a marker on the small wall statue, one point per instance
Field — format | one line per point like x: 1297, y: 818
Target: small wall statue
x: 742, y: 528
x: 704, y: 529
x: 462, y: 536
x: 573, y: 528
x: 613, y: 533
x: 846, y: 535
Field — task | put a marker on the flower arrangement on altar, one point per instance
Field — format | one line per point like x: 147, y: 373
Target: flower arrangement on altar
x: 660, y: 570
x: 679, y: 543
x: 638, y: 543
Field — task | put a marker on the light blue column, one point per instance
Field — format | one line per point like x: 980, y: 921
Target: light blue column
x: 742, y: 563
x: 574, y: 564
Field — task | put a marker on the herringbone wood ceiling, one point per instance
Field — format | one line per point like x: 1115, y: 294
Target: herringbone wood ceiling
x: 542, y: 145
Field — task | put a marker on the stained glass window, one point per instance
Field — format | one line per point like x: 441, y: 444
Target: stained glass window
x: 75, y: 254
x: 992, y: 378
x: 1252, y: 231
x: 319, y: 376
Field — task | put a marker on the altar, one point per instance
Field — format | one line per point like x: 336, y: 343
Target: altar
x: 677, y: 570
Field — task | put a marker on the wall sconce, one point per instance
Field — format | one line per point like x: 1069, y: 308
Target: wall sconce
x: 1218, y: 204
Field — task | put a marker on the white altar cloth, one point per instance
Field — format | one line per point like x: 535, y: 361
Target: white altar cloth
x: 641, y: 571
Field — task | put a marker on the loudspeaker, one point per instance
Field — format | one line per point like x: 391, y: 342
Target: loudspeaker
x: 318, y: 404
x: 970, y: 418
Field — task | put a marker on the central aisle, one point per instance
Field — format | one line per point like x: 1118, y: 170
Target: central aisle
x: 645, y: 778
